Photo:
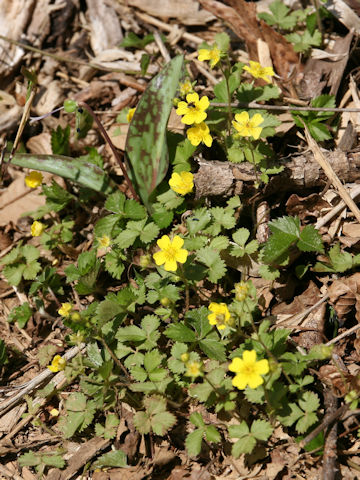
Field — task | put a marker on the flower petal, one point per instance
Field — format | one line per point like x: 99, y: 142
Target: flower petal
x: 177, y: 242
x: 242, y: 117
x: 181, y: 255
x: 256, y: 120
x: 170, y: 265
x: 262, y: 367
x: 249, y: 356
x: 240, y: 381
x: 204, y: 102
x: 192, y: 98
x: 164, y: 242
x: 236, y: 365
x: 159, y: 258
x: 254, y: 380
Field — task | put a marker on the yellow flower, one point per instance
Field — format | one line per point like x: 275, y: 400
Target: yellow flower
x: 212, y: 54
x: 130, y: 114
x: 220, y: 315
x: 185, y: 88
x: 37, y: 228
x: 248, y: 127
x: 248, y: 370
x: 257, y: 71
x: 193, y: 109
x: 65, y: 309
x: 34, y: 179
x: 170, y: 253
x: 199, y: 133
x: 104, y: 241
x: 58, y: 363
x: 193, y: 369
x: 182, y: 182
x: 241, y: 291
x: 54, y: 412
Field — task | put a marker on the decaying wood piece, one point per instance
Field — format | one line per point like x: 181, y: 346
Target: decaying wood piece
x: 300, y: 172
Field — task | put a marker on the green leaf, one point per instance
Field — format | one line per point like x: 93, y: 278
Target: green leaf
x: 21, y: 314
x: 180, y: 333
x: 212, y: 260
x: 340, y: 261
x: 309, y: 402
x: 310, y: 240
x: 146, y: 140
x: 30, y: 253
x: 162, y: 422
x: 150, y: 232
x: 244, y: 445
x: 219, y: 243
x: 212, y: 435
x: 193, y: 442
x: 87, y: 175
x: 60, y: 141
x: 261, y: 430
x: 152, y: 360
x: 238, y: 431
x: 197, y: 420
x: 306, y: 421
x: 114, y: 263
x: 213, y: 349
x: 31, y: 270
x: 116, y: 458
x: 13, y: 273
x: 131, y: 333
x: 131, y: 40
x: 280, y: 16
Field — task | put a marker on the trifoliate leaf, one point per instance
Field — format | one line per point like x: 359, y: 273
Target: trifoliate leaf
x: 310, y: 240
x: 238, y: 431
x: 280, y: 16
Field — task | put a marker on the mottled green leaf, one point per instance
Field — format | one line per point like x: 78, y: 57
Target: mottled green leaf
x: 146, y: 141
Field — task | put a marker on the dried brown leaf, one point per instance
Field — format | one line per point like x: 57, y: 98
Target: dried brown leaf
x: 344, y: 293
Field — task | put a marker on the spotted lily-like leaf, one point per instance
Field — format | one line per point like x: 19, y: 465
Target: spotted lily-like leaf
x: 146, y: 140
x: 85, y: 174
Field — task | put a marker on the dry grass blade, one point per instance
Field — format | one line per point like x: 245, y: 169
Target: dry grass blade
x: 325, y: 165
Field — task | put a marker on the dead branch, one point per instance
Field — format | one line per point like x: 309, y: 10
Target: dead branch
x: 300, y: 172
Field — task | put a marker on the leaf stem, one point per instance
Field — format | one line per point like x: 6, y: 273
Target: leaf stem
x: 113, y: 149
